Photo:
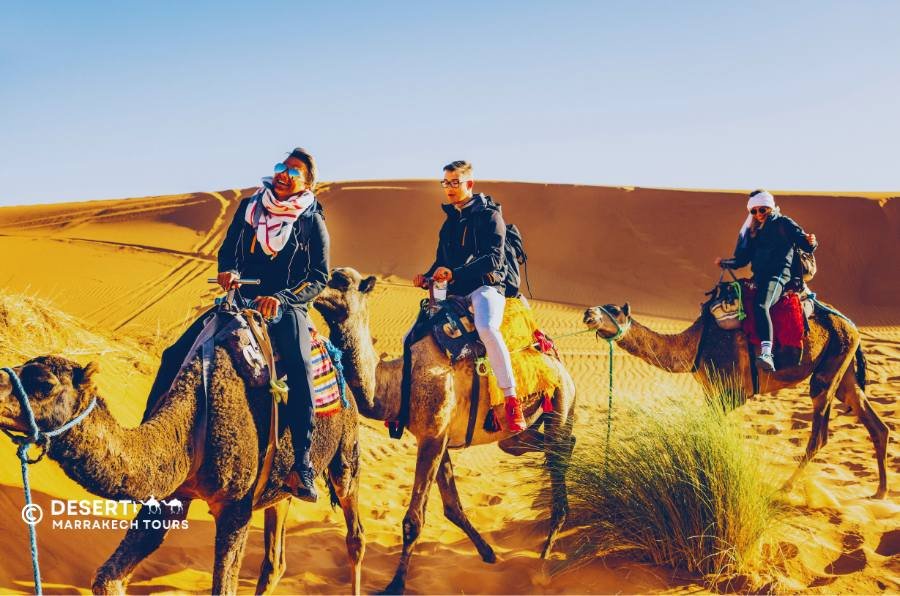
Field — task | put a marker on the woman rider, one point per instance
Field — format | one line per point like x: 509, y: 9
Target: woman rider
x: 767, y: 241
x: 278, y: 235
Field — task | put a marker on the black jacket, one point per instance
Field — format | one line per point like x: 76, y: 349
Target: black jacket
x: 296, y: 274
x: 471, y: 244
x: 771, y: 252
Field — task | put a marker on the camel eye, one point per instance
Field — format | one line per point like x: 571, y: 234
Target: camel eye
x: 38, y: 382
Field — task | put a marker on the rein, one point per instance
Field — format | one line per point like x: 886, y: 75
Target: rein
x: 41, y: 439
x: 621, y: 330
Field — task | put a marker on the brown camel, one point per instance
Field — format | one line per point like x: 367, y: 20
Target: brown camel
x: 155, y: 458
x: 831, y: 360
x: 439, y: 411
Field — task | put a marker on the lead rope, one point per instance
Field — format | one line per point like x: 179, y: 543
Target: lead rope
x: 42, y: 439
x: 621, y: 330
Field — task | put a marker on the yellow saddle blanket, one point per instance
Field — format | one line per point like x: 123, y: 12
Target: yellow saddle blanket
x: 530, y: 368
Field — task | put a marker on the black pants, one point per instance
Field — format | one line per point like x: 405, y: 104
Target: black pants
x: 768, y: 291
x: 290, y: 338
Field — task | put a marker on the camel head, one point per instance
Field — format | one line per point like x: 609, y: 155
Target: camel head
x: 58, y: 390
x: 344, y: 297
x: 611, y: 323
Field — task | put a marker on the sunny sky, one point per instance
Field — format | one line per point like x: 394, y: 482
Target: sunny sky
x: 120, y: 99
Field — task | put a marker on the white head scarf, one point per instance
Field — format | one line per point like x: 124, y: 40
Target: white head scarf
x: 761, y: 198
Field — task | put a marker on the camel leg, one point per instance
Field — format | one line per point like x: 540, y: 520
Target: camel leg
x: 232, y: 525
x: 428, y: 458
x: 273, y: 563
x: 852, y: 394
x: 139, y: 542
x: 823, y: 388
x: 559, y: 446
x: 454, y: 512
x: 343, y: 472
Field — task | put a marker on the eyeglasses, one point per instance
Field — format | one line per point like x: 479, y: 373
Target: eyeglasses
x: 451, y: 183
x: 292, y: 172
x: 756, y: 210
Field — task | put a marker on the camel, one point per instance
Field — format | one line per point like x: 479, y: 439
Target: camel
x: 156, y: 458
x: 439, y: 411
x: 832, y: 360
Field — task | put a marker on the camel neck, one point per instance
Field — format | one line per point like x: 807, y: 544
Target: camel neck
x: 129, y: 463
x: 672, y: 353
x: 375, y: 384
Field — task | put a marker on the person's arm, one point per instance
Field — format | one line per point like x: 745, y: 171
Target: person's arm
x: 742, y: 254
x: 228, y: 252
x: 439, y: 260
x: 490, y: 257
x: 800, y: 238
x: 317, y: 274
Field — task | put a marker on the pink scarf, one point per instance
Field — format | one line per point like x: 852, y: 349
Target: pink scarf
x: 274, y: 218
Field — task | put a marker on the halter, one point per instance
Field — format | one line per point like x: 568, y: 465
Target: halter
x: 42, y: 439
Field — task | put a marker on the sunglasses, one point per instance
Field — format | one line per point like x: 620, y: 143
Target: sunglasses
x: 292, y: 172
x: 451, y: 183
x: 756, y: 210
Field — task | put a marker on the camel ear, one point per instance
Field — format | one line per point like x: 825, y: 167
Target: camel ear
x: 366, y: 285
x: 84, y: 378
x: 626, y: 310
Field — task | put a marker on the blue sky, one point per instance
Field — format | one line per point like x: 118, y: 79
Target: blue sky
x: 123, y: 99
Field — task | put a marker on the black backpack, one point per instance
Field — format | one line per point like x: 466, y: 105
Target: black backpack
x: 515, y: 257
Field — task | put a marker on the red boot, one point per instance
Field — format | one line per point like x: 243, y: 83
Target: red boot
x: 515, y: 421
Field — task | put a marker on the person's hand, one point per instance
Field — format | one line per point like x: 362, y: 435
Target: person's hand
x: 718, y: 261
x: 811, y: 238
x: 442, y: 274
x: 419, y: 280
x: 267, y: 306
x: 226, y: 279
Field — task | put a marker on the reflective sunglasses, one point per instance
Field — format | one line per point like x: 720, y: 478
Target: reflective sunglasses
x: 451, y: 183
x: 756, y: 210
x: 292, y: 172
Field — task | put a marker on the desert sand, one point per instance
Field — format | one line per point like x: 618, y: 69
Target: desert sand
x: 121, y: 278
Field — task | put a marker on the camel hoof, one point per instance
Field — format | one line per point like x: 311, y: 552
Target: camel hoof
x: 395, y: 587
x: 488, y: 556
x: 116, y: 587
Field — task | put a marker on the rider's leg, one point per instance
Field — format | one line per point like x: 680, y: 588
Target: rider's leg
x: 767, y: 293
x: 292, y: 340
x: 489, y: 305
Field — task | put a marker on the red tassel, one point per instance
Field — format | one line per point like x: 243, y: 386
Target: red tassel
x: 547, y: 405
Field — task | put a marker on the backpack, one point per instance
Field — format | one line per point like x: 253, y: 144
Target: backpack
x: 515, y: 256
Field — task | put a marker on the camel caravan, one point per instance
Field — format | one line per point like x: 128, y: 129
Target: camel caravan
x: 251, y: 405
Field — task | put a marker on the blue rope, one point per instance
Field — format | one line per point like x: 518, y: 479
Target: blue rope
x: 336, y: 354
x: 620, y: 331
x: 41, y: 439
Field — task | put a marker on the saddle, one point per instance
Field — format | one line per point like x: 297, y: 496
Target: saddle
x: 450, y: 323
x: 731, y: 307
x: 244, y: 335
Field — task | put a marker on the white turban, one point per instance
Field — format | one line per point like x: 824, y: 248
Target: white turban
x: 762, y: 198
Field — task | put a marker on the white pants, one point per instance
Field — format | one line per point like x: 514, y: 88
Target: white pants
x: 489, y: 305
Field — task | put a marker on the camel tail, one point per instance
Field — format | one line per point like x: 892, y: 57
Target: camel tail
x: 861, y: 367
x: 335, y: 501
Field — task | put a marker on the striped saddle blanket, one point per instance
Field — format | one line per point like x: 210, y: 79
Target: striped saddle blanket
x: 328, y: 377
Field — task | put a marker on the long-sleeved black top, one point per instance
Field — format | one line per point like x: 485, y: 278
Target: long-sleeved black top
x: 296, y: 274
x: 771, y: 252
x: 471, y: 244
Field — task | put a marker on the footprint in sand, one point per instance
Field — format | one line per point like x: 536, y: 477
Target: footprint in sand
x: 853, y: 557
x: 889, y: 545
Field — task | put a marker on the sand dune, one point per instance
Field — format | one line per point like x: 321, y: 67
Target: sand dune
x: 133, y: 271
